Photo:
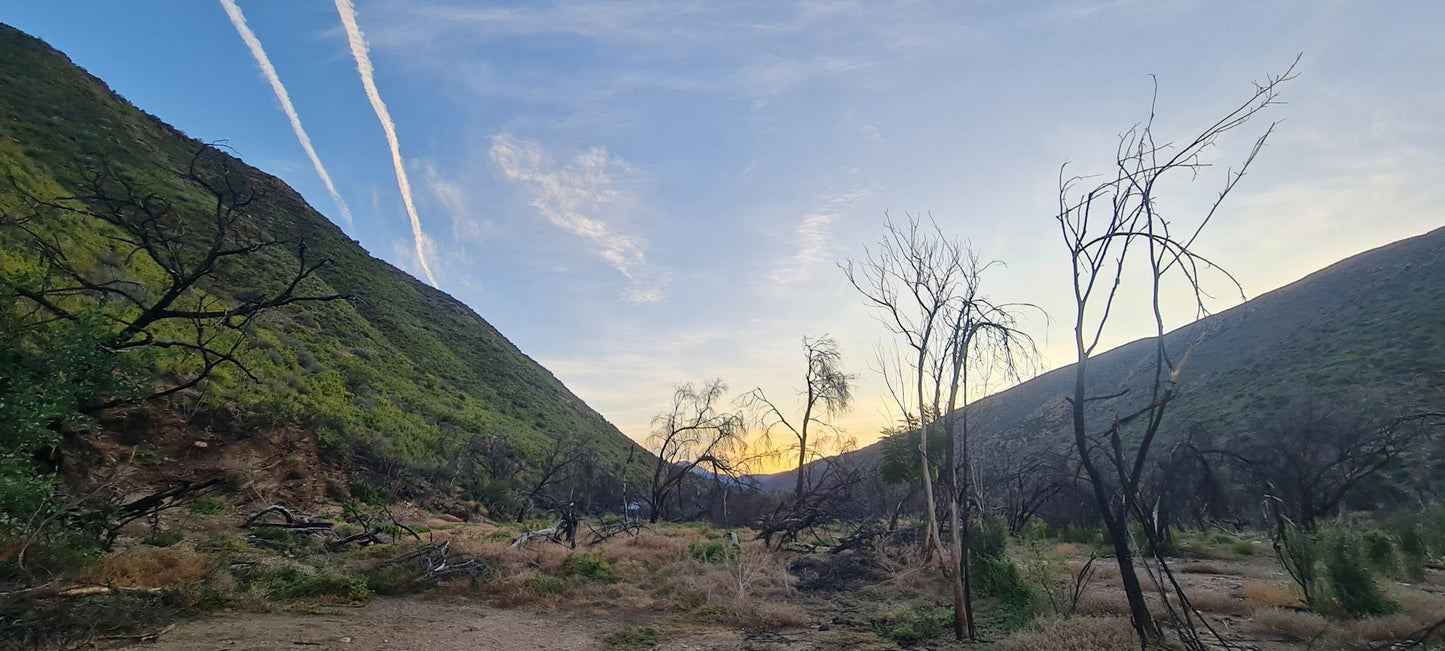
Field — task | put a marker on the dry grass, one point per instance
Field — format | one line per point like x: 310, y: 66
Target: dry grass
x: 1095, y: 602
x: 1214, y: 601
x: 1067, y: 550
x: 1293, y: 624
x: 150, y: 568
x: 1081, y: 633
x: 1210, y: 567
x: 1275, y: 595
x: 1394, y: 627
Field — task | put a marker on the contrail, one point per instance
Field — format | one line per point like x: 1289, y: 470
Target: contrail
x: 239, y: 20
x: 363, y: 66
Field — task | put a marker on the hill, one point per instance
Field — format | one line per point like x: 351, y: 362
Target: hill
x: 401, y: 381
x: 1372, y: 325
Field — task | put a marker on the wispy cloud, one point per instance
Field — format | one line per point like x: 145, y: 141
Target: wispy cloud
x: 466, y: 227
x: 238, y: 19
x: 571, y: 196
x: 812, y: 242
x: 359, y: 48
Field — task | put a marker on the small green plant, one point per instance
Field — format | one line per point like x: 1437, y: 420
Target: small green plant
x: 910, y: 625
x: 632, y: 637
x: 546, y: 584
x: 591, y: 567
x: 1348, y: 575
x: 713, y: 551
x: 163, y: 538
x: 328, y: 587
x: 370, y: 493
x: 208, y: 506
x: 1242, y: 548
x: 286, y: 541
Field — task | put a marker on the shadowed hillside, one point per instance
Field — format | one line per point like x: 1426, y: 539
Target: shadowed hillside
x: 1371, y: 324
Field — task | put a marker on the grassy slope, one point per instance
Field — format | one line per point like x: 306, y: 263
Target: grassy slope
x: 406, y: 370
x: 1373, y: 323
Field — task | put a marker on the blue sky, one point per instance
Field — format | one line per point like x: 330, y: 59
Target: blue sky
x: 643, y: 192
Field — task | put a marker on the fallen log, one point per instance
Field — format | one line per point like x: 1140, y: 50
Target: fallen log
x: 549, y: 533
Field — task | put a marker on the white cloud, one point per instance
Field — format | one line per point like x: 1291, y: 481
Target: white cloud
x: 466, y: 227
x: 238, y: 20
x: 812, y: 239
x: 359, y: 48
x: 572, y: 196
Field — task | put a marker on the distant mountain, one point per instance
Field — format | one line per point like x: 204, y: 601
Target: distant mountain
x: 404, y: 376
x: 1372, y: 324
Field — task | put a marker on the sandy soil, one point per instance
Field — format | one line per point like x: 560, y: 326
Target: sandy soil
x: 431, y: 624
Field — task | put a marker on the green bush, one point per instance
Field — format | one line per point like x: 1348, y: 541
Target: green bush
x: 1413, y: 553
x: 1348, y: 574
x: 912, y: 625
x: 291, y: 584
x: 632, y: 637
x: 713, y: 551
x: 996, y: 575
x: 287, y: 541
x: 591, y: 567
x: 208, y: 506
x: 989, y: 537
x: 1242, y: 548
x: 1299, y: 552
x: 163, y: 538
x: 370, y: 493
x: 1380, y: 551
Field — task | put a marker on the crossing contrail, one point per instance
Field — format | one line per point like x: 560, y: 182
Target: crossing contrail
x: 239, y: 20
x: 347, y: 10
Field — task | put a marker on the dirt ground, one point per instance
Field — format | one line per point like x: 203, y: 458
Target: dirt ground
x: 432, y: 624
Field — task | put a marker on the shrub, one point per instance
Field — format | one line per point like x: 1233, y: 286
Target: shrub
x: 286, y: 541
x: 713, y: 551
x: 1349, y: 578
x: 1299, y: 553
x: 631, y: 637
x: 208, y: 506
x: 1242, y: 548
x: 163, y: 538
x: 1380, y: 552
x: 989, y: 537
x: 591, y: 567
x: 1413, y: 554
x: 325, y: 587
x: 911, y: 625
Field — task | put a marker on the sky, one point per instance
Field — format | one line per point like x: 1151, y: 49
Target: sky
x: 645, y: 192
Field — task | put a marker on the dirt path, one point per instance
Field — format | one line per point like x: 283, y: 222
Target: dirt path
x: 431, y: 624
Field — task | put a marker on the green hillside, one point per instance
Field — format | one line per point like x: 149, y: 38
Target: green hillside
x: 401, y: 376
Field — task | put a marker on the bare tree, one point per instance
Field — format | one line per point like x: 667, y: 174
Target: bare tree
x: 561, y: 456
x: 926, y: 288
x: 1105, y: 227
x: 1018, y: 482
x: 694, y: 434
x: 827, y: 392
x: 175, y: 246
x: 1316, y: 454
x: 983, y: 339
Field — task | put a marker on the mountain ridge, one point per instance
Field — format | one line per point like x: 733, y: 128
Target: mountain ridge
x: 1333, y: 314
